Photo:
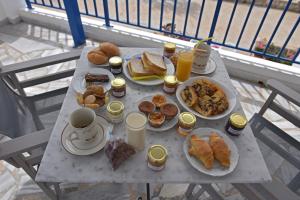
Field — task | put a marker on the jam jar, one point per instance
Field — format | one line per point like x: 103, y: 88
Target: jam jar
x: 157, y: 157
x: 115, y: 111
x: 186, y: 123
x: 169, y: 49
x: 118, y: 87
x: 236, y: 123
x: 115, y: 64
x: 170, y: 84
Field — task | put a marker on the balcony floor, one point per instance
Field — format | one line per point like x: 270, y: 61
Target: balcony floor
x: 23, y: 41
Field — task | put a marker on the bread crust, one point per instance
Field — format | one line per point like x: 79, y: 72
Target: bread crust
x: 109, y: 49
x: 97, y: 57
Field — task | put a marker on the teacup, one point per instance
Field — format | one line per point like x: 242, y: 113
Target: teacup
x: 201, y: 56
x: 83, y: 124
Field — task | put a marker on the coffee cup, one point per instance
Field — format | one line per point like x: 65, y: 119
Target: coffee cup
x: 83, y: 124
x: 201, y: 56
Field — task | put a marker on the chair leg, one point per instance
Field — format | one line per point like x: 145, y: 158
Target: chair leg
x: 212, y: 192
x: 37, y: 121
x: 57, y: 191
x: 294, y: 185
x: 189, y: 191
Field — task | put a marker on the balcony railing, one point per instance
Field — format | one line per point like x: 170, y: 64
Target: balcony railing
x: 197, y: 20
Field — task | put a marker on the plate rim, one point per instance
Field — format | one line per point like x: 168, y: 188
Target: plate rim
x: 127, y: 75
x: 152, y: 129
x: 106, y: 134
x: 215, y: 117
x: 206, y: 130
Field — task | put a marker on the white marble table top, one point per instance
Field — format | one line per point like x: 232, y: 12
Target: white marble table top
x: 59, y: 166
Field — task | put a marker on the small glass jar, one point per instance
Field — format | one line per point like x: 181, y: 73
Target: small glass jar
x: 118, y: 87
x: 157, y: 157
x: 115, y: 64
x: 115, y: 111
x: 169, y: 49
x: 170, y: 84
x: 235, y: 124
x: 186, y: 123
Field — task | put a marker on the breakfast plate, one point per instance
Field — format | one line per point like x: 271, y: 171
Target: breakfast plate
x: 217, y: 169
x: 83, y: 148
x: 79, y: 83
x: 170, y: 70
x: 210, y: 68
x: 168, y: 124
x: 229, y: 94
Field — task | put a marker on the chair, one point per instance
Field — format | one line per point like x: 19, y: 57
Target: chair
x: 275, y: 190
x: 13, y: 151
x: 9, y: 77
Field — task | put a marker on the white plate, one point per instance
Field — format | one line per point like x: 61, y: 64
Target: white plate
x: 217, y: 169
x: 230, y: 94
x: 168, y: 124
x: 210, y: 68
x: 79, y: 84
x: 82, y: 149
x: 170, y: 70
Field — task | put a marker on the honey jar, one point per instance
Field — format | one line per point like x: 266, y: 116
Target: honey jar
x: 236, y: 123
x: 170, y: 84
x: 115, y: 64
x: 169, y: 49
x: 186, y: 123
x: 115, y: 111
x: 157, y: 157
x: 118, y: 87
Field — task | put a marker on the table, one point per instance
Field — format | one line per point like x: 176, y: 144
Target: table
x: 59, y: 166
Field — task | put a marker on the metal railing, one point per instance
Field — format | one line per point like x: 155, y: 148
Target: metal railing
x: 152, y: 15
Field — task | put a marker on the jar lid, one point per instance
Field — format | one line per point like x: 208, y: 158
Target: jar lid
x: 115, y: 60
x: 237, y: 120
x: 115, y: 107
x: 157, y: 154
x: 171, y: 79
x: 170, y: 46
x: 118, y: 82
x: 187, y: 118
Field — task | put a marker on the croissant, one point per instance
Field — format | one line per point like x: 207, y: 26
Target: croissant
x: 220, y: 149
x: 201, y: 150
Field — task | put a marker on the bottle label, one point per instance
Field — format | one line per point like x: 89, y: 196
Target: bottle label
x: 168, y: 89
x: 119, y: 93
x: 233, y: 131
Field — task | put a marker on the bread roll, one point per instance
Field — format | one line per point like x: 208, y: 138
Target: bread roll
x: 97, y: 57
x: 110, y: 49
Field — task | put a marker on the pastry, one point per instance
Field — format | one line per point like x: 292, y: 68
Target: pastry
x: 220, y: 149
x: 89, y: 99
x: 189, y: 96
x: 97, y: 57
x: 169, y: 110
x: 95, y: 79
x: 155, y: 63
x: 201, y: 150
x: 146, y: 107
x: 93, y: 97
x: 159, y: 100
x: 96, y: 90
x: 156, y: 119
x: 109, y: 49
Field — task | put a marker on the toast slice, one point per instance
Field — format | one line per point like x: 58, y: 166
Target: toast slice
x: 154, y: 63
x: 136, y: 68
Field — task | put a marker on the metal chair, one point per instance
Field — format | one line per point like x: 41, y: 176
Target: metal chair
x: 275, y: 190
x: 13, y: 151
x: 9, y: 77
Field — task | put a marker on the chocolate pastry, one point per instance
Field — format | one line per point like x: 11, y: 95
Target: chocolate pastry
x: 93, y: 79
x: 118, y: 151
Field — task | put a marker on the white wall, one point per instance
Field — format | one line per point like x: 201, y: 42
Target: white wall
x: 10, y: 9
x: 2, y: 14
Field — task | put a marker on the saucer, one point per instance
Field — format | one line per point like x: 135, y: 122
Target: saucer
x: 210, y: 68
x: 77, y: 147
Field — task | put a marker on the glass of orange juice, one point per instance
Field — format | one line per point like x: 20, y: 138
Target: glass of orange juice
x: 184, y: 65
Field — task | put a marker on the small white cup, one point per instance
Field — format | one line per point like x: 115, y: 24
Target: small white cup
x: 201, y: 56
x: 83, y: 123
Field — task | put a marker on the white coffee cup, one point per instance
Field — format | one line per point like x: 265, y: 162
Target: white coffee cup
x: 201, y: 56
x: 83, y: 124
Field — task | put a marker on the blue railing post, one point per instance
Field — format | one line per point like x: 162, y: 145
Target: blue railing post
x: 215, y: 20
x: 28, y: 3
x: 75, y: 23
x: 106, y: 12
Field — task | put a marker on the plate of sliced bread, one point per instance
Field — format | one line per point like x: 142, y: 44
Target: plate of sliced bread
x: 148, y: 68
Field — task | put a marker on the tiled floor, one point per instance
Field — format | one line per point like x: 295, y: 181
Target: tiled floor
x: 25, y: 41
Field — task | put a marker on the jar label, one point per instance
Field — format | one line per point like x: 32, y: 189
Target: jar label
x: 155, y: 168
x: 116, y: 70
x: 168, y: 89
x: 233, y: 131
x: 184, y: 129
x: 118, y: 94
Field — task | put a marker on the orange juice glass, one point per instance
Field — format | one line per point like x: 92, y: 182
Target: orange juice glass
x: 184, y: 66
